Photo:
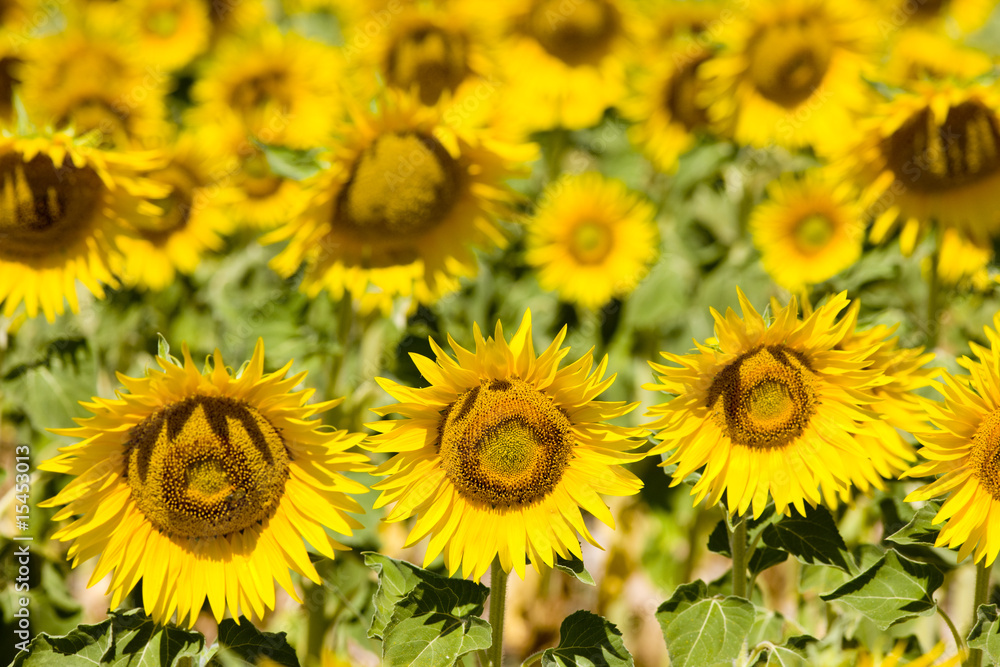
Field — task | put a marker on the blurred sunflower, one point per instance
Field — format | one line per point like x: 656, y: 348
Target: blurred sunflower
x: 62, y: 206
x: 591, y: 239
x: 964, y: 452
x: 88, y: 79
x: 499, y: 454
x: 967, y: 15
x: 281, y: 88
x: 205, y: 485
x: 810, y: 229
x: 929, y: 659
x: 10, y: 64
x: 919, y: 54
x: 768, y: 409
x: 790, y: 73
x: 400, y: 207
x: 931, y: 156
x: 661, y: 23
x: 191, y: 220
x: 16, y: 15
x: 565, y: 62
x: 169, y: 33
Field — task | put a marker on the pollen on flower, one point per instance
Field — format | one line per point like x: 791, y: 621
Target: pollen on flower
x: 984, y: 458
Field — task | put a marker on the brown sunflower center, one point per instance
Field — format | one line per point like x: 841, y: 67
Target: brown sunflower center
x: 44, y: 209
x: 176, y: 206
x: 404, y: 183
x: 764, y: 398
x: 965, y: 148
x: 925, y: 10
x: 591, y: 241
x: 258, y: 181
x: 505, y: 443
x: 257, y: 92
x: 578, y: 32
x: 681, y: 92
x: 206, y: 466
x: 985, y: 456
x: 8, y: 82
x: 789, y: 59
x: 813, y: 232
x: 430, y: 59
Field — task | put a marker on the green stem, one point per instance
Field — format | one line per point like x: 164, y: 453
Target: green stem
x: 738, y: 547
x: 533, y: 658
x: 316, y: 623
x: 959, y: 639
x: 933, y: 303
x: 498, y: 604
x: 982, y: 590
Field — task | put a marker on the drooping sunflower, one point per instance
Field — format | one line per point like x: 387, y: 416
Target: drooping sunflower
x: 497, y: 457
x: 768, y: 409
x: 591, y: 239
x: 169, y: 33
x: 809, y: 229
x: 191, y: 220
x: 931, y: 157
x: 964, y: 453
x: 790, y: 73
x: 204, y: 485
x: 397, y: 212
x: 62, y: 206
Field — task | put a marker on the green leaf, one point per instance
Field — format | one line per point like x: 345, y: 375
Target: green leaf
x: 248, y: 644
x: 764, y: 558
x: 425, y: 619
x: 291, y: 163
x: 920, y: 530
x: 893, y: 590
x: 574, y: 567
x: 124, y: 638
x: 985, y: 634
x: 587, y: 640
x: 791, y: 654
x: 701, y: 630
x: 813, y: 539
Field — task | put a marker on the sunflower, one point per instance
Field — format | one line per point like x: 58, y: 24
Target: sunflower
x: 768, y: 409
x: 398, y: 209
x: 963, y: 451
x: 564, y: 62
x: 591, y: 239
x: 62, y: 206
x: 929, y: 659
x: 10, y: 64
x: 967, y: 15
x: 205, y: 485
x: 170, y: 33
x: 810, y: 229
x: 500, y: 453
x: 281, y: 88
x: 931, y: 156
x: 191, y: 221
x: 790, y: 73
x: 920, y: 54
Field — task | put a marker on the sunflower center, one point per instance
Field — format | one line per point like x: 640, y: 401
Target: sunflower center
x: 985, y: 456
x: 813, y: 232
x: 7, y: 84
x: 789, y: 59
x: 163, y: 22
x: 402, y: 184
x: 579, y: 32
x: 206, y: 466
x: 257, y: 92
x: 964, y: 149
x: 764, y: 398
x: 44, y: 208
x: 505, y: 443
x: 592, y: 242
x: 258, y: 181
x: 682, y: 91
x: 176, y: 206
x: 925, y: 9
x: 430, y: 59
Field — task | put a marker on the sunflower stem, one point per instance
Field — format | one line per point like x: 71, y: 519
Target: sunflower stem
x: 498, y: 604
x: 738, y: 547
x: 982, y: 590
x: 959, y: 639
x: 933, y: 302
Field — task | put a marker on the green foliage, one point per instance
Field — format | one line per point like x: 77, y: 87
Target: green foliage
x: 985, y: 634
x: 297, y: 165
x: 704, y: 631
x: 245, y: 644
x: 812, y: 538
x: 574, y: 568
x: 587, y: 640
x: 920, y: 530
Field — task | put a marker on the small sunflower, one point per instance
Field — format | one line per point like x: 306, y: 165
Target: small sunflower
x: 809, y: 230
x: 500, y: 453
x: 62, y: 206
x: 191, y: 220
x: 790, y: 73
x: 768, y: 410
x: 169, y: 33
x: 931, y: 156
x: 920, y: 55
x: 591, y: 239
x: 397, y: 212
x: 967, y: 15
x: 204, y: 485
x: 964, y: 452
x: 281, y: 88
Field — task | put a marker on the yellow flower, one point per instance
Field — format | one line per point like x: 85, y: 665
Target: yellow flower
x: 809, y: 230
x: 790, y: 73
x: 398, y: 210
x: 964, y: 453
x: 591, y: 239
x: 932, y: 14
x: 204, y: 485
x: 931, y: 156
x: 499, y: 454
x: 768, y: 410
x: 169, y: 33
x: 62, y: 205
x: 866, y: 659
x: 919, y: 54
x: 10, y: 63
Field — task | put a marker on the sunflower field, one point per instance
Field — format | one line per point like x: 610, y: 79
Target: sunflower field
x: 559, y: 333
